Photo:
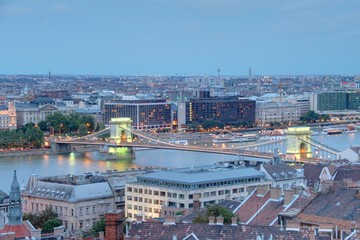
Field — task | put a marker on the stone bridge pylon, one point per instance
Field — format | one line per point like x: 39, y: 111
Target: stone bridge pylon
x: 118, y: 135
x: 296, y: 147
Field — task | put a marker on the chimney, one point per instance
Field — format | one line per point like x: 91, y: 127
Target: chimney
x: 262, y: 190
x: 196, y: 202
x: 59, y: 231
x: 211, y: 220
x: 234, y: 221
x: 288, y: 196
x: 220, y: 220
x: 169, y: 220
x: 275, y: 193
x: 114, y: 221
x: 292, y: 225
x: 174, y: 237
x: 311, y: 234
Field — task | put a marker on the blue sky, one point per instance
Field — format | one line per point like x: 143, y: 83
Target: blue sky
x: 169, y: 37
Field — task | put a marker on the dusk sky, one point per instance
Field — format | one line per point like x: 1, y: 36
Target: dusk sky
x: 169, y: 37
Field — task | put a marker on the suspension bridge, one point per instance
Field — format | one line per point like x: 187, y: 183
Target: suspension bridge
x: 124, y: 138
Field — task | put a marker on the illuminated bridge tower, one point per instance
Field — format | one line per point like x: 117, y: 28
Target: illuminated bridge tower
x: 296, y: 147
x: 118, y: 135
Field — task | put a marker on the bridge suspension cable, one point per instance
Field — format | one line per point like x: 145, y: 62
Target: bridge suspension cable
x: 320, y: 146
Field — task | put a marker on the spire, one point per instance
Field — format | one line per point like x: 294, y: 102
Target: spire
x: 15, y: 213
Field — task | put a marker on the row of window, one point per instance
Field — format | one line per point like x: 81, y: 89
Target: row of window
x: 196, y: 186
x: 63, y: 211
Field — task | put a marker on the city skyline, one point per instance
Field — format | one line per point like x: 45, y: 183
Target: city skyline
x: 179, y: 37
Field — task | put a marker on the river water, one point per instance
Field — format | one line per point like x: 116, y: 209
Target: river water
x: 78, y: 163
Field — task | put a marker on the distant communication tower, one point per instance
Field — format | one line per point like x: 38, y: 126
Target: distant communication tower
x: 219, y: 78
x: 250, y: 75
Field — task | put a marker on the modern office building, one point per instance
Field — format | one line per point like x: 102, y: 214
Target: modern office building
x: 145, y: 114
x: 353, y: 100
x: 188, y: 188
x: 228, y: 110
x: 335, y: 101
x: 328, y: 101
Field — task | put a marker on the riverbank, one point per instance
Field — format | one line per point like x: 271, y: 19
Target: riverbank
x: 22, y: 153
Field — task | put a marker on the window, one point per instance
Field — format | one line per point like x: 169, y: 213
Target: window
x: 213, y: 193
x: 162, y: 194
x: 221, y: 192
x: 129, y: 197
x: 140, y: 190
x: 135, y: 190
x: 181, y: 196
x: 129, y: 189
x: 129, y: 206
x: 206, y: 194
x: 156, y: 193
x: 190, y: 196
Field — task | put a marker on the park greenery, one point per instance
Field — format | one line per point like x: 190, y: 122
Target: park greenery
x: 29, y: 136
x: 46, y: 220
x: 312, y: 117
x: 32, y: 136
x: 214, y: 211
x: 74, y: 124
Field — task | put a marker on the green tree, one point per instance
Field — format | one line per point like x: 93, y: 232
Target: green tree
x: 49, y: 225
x: 99, y: 226
x: 82, y: 130
x: 215, y: 211
x: 41, y: 218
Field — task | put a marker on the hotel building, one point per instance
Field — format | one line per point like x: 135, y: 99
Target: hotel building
x: 145, y: 114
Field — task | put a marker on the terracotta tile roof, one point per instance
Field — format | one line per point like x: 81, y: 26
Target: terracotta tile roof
x: 251, y: 206
x: 316, y: 220
x: 340, y: 203
x: 312, y: 173
x: 350, y: 172
x: 283, y: 171
x: 20, y: 230
x: 158, y: 231
x: 268, y: 213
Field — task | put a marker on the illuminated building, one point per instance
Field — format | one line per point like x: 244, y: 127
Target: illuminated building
x: 228, y: 110
x: 145, y: 114
x: 8, y: 116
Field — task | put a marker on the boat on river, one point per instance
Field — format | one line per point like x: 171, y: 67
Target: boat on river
x: 339, y: 130
x: 229, y: 137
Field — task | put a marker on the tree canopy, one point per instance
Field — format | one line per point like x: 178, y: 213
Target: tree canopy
x: 214, y: 211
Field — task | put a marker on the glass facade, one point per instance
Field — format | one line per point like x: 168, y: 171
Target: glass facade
x: 221, y: 109
x: 332, y: 101
x: 145, y: 114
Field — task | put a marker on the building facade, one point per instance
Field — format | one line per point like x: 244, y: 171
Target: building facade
x: 184, y: 188
x: 267, y: 112
x: 78, y: 206
x: 8, y: 116
x: 145, y: 114
x: 228, y: 110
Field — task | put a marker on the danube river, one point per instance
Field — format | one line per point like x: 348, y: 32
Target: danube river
x: 78, y: 163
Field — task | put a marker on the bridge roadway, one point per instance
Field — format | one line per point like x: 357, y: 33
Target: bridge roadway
x: 225, y: 151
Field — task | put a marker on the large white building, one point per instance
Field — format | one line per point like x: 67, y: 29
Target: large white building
x: 267, y: 112
x: 181, y: 189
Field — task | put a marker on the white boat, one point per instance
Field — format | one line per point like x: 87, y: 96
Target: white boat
x: 180, y: 142
x: 234, y: 137
x: 339, y: 130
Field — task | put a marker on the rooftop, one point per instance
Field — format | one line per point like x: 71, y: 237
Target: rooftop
x: 202, y: 175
